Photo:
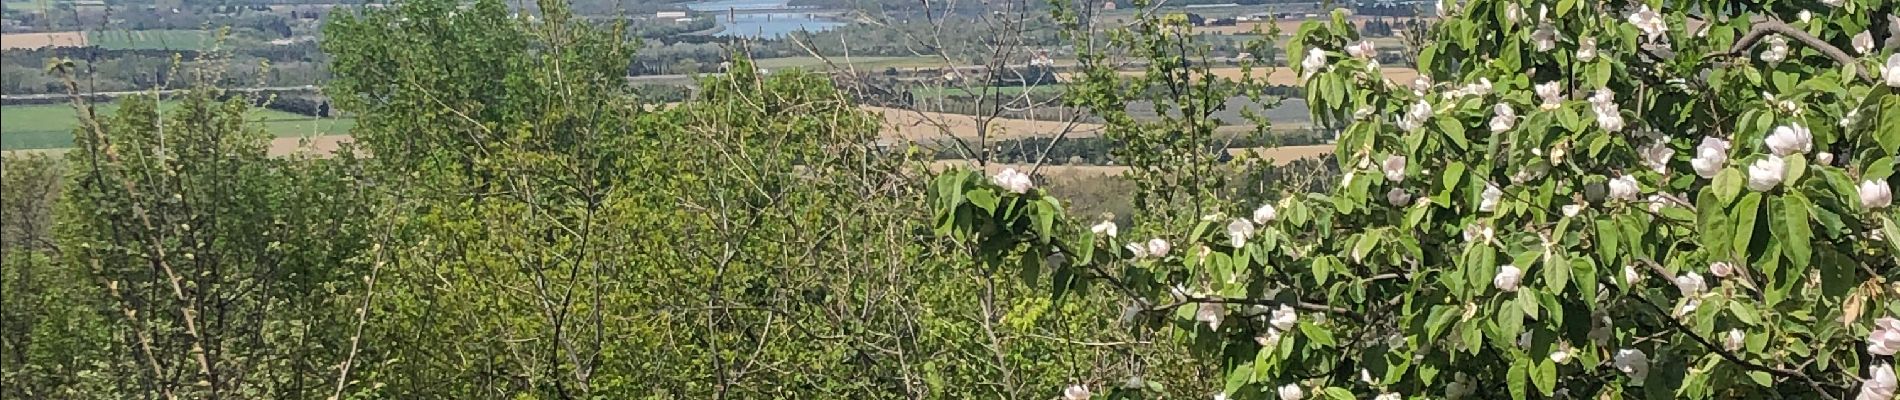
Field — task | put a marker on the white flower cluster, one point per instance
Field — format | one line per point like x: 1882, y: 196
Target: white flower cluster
x: 1710, y: 157
x: 1156, y: 248
x: 1609, y: 116
x: 1503, y: 118
x: 1014, y: 181
x: 1777, y: 50
x: 1415, y: 116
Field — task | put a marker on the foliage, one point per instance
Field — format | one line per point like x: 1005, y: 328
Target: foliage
x: 1558, y: 249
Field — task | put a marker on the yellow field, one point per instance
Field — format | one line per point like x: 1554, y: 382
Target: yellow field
x: 38, y: 40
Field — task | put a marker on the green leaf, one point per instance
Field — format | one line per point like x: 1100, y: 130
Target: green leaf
x: 1545, y: 376
x: 984, y: 199
x: 1797, y: 166
x: 1728, y: 183
x: 1743, y: 312
x: 1319, y: 335
x: 1888, y: 130
x: 1517, y: 378
x: 1337, y: 393
x: 1564, y: 7
x: 1607, y: 239
x: 1798, y: 234
x: 1453, y: 130
x: 1556, y: 273
x: 1744, y: 215
x: 1889, y: 230
x: 1761, y: 378
x: 1367, y: 242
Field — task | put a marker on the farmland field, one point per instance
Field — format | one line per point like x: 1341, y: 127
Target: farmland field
x: 153, y: 39
x: 858, y: 62
x: 38, y: 40
x: 51, y: 126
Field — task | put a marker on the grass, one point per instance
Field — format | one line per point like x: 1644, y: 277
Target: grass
x: 172, y: 39
x: 51, y: 126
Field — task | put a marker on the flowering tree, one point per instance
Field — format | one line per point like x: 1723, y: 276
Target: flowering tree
x: 1576, y: 199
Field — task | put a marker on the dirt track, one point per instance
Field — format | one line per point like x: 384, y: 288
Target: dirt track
x: 929, y: 126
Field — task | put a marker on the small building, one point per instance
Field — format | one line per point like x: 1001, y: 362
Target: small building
x: 669, y: 15
x: 1108, y: 5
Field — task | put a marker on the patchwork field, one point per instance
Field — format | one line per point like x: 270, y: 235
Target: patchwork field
x: 51, y: 126
x: 931, y: 126
x: 44, y: 39
x: 153, y: 39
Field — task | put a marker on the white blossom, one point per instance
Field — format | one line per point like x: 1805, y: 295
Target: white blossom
x: 1158, y: 247
x: 1587, y: 49
x: 1560, y: 356
x: 1389, y: 396
x: 1834, y: 3
x: 1514, y: 13
x: 1239, y: 231
x: 1660, y: 200
x: 1292, y: 392
x: 1421, y: 84
x: 1544, y: 39
x: 1140, y: 251
x: 1875, y: 195
x: 1480, y: 88
x: 1490, y: 198
x: 1880, y: 383
x: 1415, y: 116
x: 1691, y: 284
x: 1863, y: 43
x: 1503, y: 118
x: 1766, y: 173
x: 1315, y: 60
x: 1710, y: 157
x: 1624, y: 188
x: 1530, y: 173
x: 1362, y: 49
x: 1630, y: 275
x: 1777, y: 49
x: 1885, y: 339
x: 1633, y: 363
x: 1398, y: 197
x: 1271, y: 339
x: 1687, y: 307
x: 1656, y: 155
x: 1013, y: 181
x: 1649, y: 21
x: 1266, y: 213
x: 1507, y: 278
x: 1721, y: 269
x: 1394, y: 168
x: 1106, y: 228
x: 1609, y: 116
x: 1734, y: 339
x: 1551, y: 94
x: 1284, y: 318
x: 1891, y: 72
x: 1362, y: 113
x: 1824, y: 158
x: 1209, y: 313
x: 1571, y: 210
x: 1479, y: 232
x: 1076, y: 392
x: 1804, y: 16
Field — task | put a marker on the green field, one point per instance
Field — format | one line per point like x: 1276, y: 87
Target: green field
x: 51, y: 126
x: 152, y: 40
